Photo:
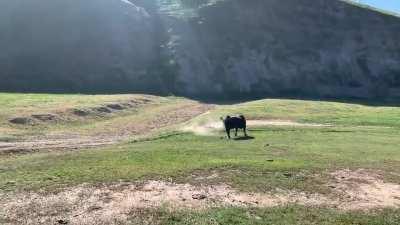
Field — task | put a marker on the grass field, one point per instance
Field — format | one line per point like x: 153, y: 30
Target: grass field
x: 301, y: 150
x: 295, y: 158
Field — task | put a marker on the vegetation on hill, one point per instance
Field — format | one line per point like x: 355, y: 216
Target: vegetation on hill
x: 219, y: 49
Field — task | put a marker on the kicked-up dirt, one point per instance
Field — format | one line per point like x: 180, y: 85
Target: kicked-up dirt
x: 209, y: 127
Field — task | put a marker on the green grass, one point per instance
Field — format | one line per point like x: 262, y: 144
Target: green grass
x: 286, y: 215
x: 13, y: 103
x: 243, y: 163
x: 361, y: 137
x: 315, y: 112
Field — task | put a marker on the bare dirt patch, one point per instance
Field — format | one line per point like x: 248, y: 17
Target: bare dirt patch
x: 209, y: 127
x: 363, y: 189
x: 101, y: 205
x: 113, y: 204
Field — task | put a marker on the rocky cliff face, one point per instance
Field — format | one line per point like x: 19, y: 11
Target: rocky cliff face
x: 229, y: 48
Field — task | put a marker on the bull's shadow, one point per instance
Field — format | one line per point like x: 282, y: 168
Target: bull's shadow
x: 243, y: 138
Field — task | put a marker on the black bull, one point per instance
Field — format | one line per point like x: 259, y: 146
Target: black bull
x: 236, y: 123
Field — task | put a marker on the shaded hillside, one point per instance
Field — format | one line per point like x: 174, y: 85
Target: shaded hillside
x: 225, y: 48
x: 90, y: 45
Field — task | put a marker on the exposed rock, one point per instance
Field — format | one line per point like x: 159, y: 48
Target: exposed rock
x: 62, y: 221
x: 199, y: 196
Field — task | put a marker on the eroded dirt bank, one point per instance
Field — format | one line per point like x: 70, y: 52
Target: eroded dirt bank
x: 122, y: 132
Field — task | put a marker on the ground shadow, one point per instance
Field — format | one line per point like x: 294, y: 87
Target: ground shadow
x: 244, y: 138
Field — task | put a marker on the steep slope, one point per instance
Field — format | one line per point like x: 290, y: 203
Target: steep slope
x: 92, y: 45
x: 285, y: 47
x: 203, y: 48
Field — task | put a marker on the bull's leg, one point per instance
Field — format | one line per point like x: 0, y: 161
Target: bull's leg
x: 228, y: 132
x: 244, y: 131
x: 236, y: 132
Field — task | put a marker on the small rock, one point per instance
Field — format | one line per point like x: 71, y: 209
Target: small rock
x: 62, y: 221
x: 199, y: 196
x: 266, y: 145
x: 270, y: 160
x: 332, y: 186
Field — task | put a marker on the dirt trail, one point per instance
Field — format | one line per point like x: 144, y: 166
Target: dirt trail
x: 85, y: 204
x: 127, y: 131
x: 209, y: 127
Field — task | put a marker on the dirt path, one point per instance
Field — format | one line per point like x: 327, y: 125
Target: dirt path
x: 85, y: 204
x: 162, y: 119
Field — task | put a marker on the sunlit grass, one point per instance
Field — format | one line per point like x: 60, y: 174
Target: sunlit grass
x: 304, y: 150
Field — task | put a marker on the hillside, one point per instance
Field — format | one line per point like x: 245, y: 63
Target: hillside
x: 167, y: 161
x: 218, y: 48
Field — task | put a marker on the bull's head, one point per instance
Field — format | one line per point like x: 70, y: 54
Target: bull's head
x: 226, y: 118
